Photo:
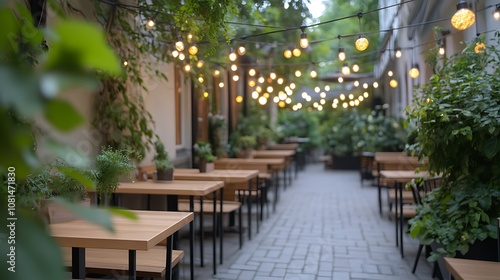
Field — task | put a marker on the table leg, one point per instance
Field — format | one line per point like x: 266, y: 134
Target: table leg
x: 221, y: 231
x: 295, y: 164
x: 132, y: 258
x: 214, y: 228
x: 173, y: 205
x: 401, y: 219
x: 168, y: 265
x: 191, y: 239
x: 275, y: 185
x: 78, y: 263
x: 249, y: 208
x: 202, y: 233
x: 396, y: 210
x: 379, y: 190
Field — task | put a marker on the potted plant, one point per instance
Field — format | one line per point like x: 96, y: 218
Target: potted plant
x: 456, y: 118
x: 164, y: 168
x: 204, y: 155
x: 110, y: 165
x: 244, y: 146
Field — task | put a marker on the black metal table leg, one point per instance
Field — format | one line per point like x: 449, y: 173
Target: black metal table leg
x: 401, y: 219
x: 168, y: 265
x: 132, y: 259
x: 202, y: 233
x: 78, y: 263
x: 221, y: 226
x: 249, y: 208
x: 214, y: 228
x: 191, y: 239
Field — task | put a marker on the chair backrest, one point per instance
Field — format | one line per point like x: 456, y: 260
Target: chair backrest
x: 420, y: 191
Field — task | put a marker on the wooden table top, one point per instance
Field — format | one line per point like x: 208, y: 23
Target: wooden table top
x: 273, y: 153
x: 403, y: 174
x: 463, y: 269
x: 176, y: 187
x: 227, y: 176
x: 290, y: 146
x: 142, y: 234
x: 269, y: 161
x: 397, y: 158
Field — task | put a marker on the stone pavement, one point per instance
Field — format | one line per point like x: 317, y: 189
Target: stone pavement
x: 326, y: 226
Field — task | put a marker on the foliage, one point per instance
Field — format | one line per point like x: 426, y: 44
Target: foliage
x: 216, y: 124
x: 458, y: 125
x: 352, y: 131
x: 204, y: 152
x: 299, y: 124
x: 32, y: 76
x: 110, y: 165
x: 246, y: 142
x: 161, y: 157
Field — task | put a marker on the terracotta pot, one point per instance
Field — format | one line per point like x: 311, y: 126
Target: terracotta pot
x: 165, y: 174
x: 206, y: 166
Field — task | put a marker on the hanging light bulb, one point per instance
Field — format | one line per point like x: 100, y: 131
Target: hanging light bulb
x: 261, y: 79
x: 189, y: 37
x: 262, y: 100
x: 441, y: 50
x: 298, y: 73
x: 125, y: 63
x: 313, y: 73
x: 393, y: 83
x: 205, y: 94
x: 496, y: 13
x: 304, y: 43
x: 234, y: 67
x: 340, y: 79
x: 193, y: 49
x: 463, y: 17
x: 355, y: 68
x: 390, y: 73
x: 200, y: 63
x: 327, y: 88
x: 251, y: 83
x: 341, y: 54
x: 342, y: 96
x: 345, y: 69
x: 293, y: 86
x: 175, y: 53
x: 480, y: 47
x: 362, y: 43
x: 236, y: 78
x: 187, y: 67
x: 280, y: 81
x: 179, y: 45
x: 296, y: 52
x: 287, y: 53
x: 255, y: 95
x: 398, y: 53
x: 232, y: 55
x: 241, y: 49
x: 252, y: 72
x: 239, y: 99
x: 365, y: 85
x: 216, y: 73
x: 356, y: 83
x: 150, y: 24
x: 221, y: 84
x: 182, y: 56
x: 375, y: 85
x: 414, y: 72
x: 365, y: 94
x: 201, y: 79
x: 272, y: 75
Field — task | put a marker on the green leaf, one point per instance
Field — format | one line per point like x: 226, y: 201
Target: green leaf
x: 123, y: 212
x: 8, y: 32
x: 81, y: 45
x: 62, y: 115
x: 92, y: 214
x: 75, y: 174
x: 491, y: 148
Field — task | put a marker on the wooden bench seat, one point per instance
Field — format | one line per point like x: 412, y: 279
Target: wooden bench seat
x: 409, y: 211
x: 149, y: 263
x: 208, y: 206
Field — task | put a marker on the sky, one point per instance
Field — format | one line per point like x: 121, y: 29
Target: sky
x: 316, y: 8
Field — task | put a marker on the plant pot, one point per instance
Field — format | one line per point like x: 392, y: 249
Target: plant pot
x: 206, y: 166
x: 165, y: 174
x: 244, y: 154
x: 345, y: 162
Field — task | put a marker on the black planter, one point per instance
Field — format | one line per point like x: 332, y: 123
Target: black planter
x: 165, y: 174
x: 486, y: 250
x: 345, y: 162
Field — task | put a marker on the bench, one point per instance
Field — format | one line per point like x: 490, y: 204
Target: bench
x: 151, y: 263
x: 327, y: 160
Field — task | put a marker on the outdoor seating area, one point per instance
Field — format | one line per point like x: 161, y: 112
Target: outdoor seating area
x: 250, y: 140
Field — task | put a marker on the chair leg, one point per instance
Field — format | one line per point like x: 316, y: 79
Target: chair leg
x: 420, y: 247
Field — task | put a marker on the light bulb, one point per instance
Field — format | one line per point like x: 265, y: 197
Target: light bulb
x: 252, y: 72
x: 390, y: 73
x: 345, y: 69
x: 280, y: 81
x: 365, y: 85
x: 276, y: 99
x: 496, y: 13
x: 414, y: 72
x: 200, y: 63
x: 242, y: 50
x: 189, y: 37
x: 342, y: 96
x: 287, y: 53
x: 187, y: 67
x: 221, y: 84
x: 356, y: 83
x: 150, y: 24
x: 205, y: 94
x: 255, y: 95
x: 298, y: 73
x: 463, y: 17
x: 355, y: 67
x: 261, y: 80
x: 251, y: 83
x: 393, y: 83
x: 234, y: 67
x: 375, y: 85
x: 362, y: 43
x: 232, y: 55
x: 351, y: 96
x: 270, y: 89
x: 345, y: 105
x: 341, y: 54
x: 125, y: 63
x: 272, y: 75
x: 239, y: 99
x: 216, y: 73
x: 341, y: 80
x: 313, y: 73
x: 179, y: 45
x: 175, y: 53
x: 182, y: 56
x: 365, y: 94
x: 398, y: 53
x: 327, y: 87
x: 297, y: 52
x: 236, y: 78
x: 441, y: 50
x: 193, y: 50
x: 304, y: 43
x: 292, y: 86
x: 201, y: 79
x: 262, y: 100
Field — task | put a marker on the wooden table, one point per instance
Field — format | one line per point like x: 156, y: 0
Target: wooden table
x: 463, y: 269
x: 273, y: 166
x: 233, y: 179
x: 288, y: 155
x: 172, y: 189
x: 143, y: 234
x: 400, y: 178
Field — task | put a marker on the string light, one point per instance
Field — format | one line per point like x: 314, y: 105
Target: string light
x: 200, y: 63
x: 189, y: 37
x: 270, y: 89
x: 390, y: 73
x: 304, y: 43
x: 182, y: 56
x: 255, y: 95
x: 232, y: 55
x: 365, y: 94
x: 414, y: 72
x: 375, y: 85
x: 496, y: 13
x: 365, y: 85
x: 317, y: 89
x: 355, y: 67
x: 179, y: 45
x: 175, y: 53
x: 322, y: 95
x: 261, y: 79
x: 150, y: 24
x: 342, y: 96
x: 398, y: 53
x: 345, y: 69
x: 292, y: 86
x: 241, y: 49
x: 340, y: 80
x: 234, y: 67
x: 125, y: 63
x: 298, y: 73
x: 221, y: 84
x: 216, y: 73
x: 262, y: 100
x: 280, y: 81
x: 239, y: 99
x: 341, y: 54
x: 272, y: 75
x: 345, y: 105
x: 356, y: 83
x: 361, y: 43
x: 288, y: 53
x: 463, y: 17
x: 327, y: 88
x: 205, y: 94
x: 193, y: 49
x: 351, y: 96
x: 313, y: 73
x: 296, y: 52
x: 393, y: 83
x: 441, y: 50
x: 236, y: 78
x: 201, y: 79
x: 251, y: 83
